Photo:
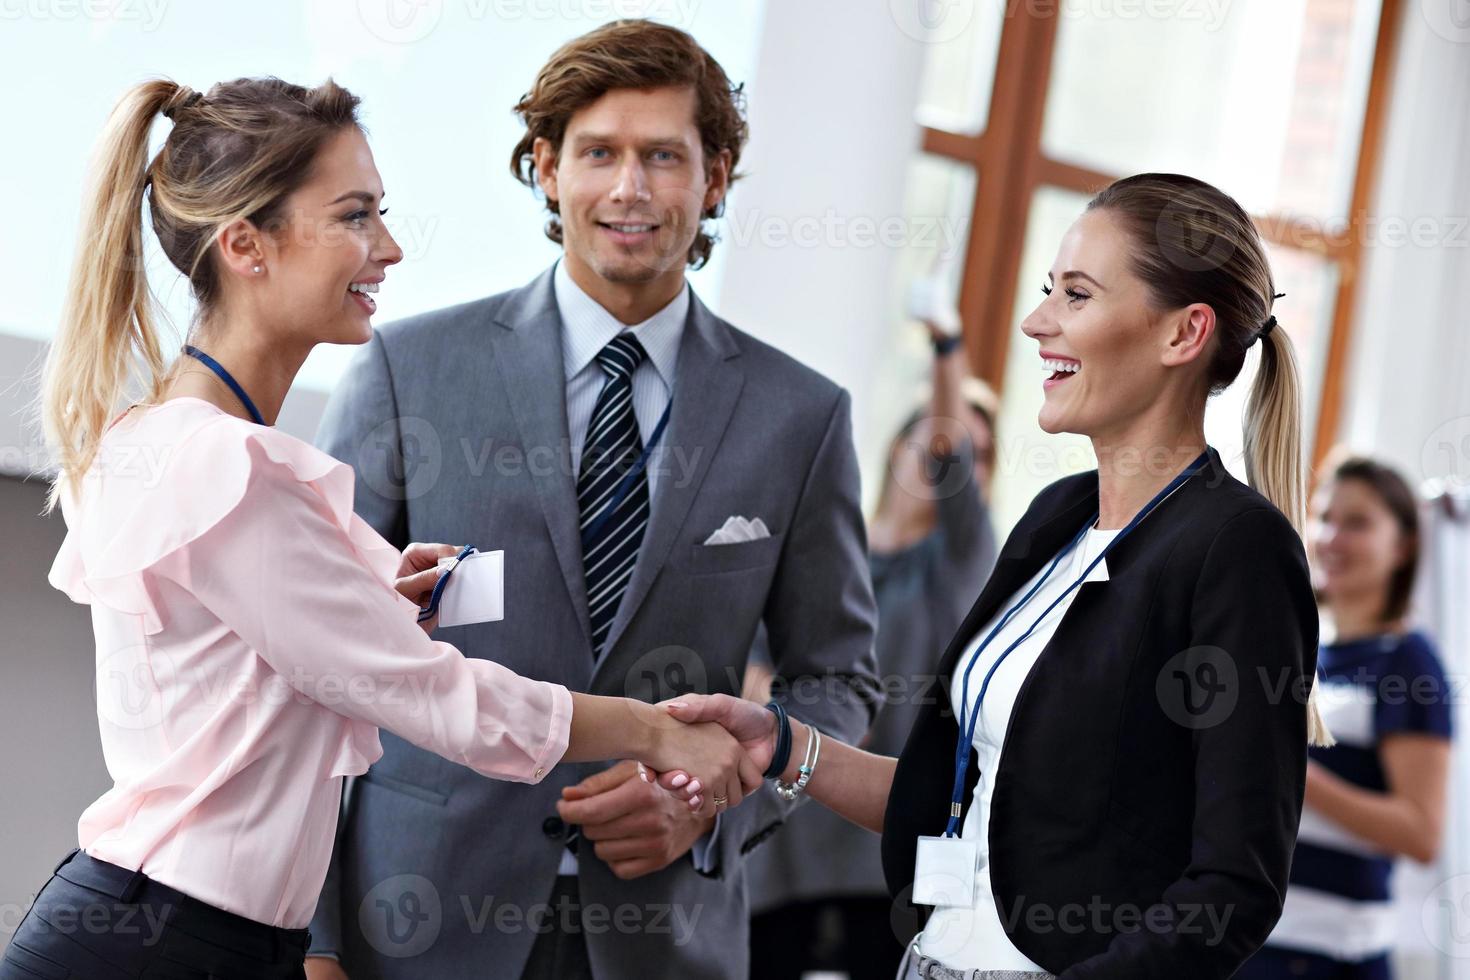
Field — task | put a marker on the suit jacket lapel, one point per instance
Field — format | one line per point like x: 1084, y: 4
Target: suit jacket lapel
x: 528, y: 351
x: 706, y: 390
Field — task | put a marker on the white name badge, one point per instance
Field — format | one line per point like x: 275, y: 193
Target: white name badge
x: 476, y: 590
x: 944, y: 872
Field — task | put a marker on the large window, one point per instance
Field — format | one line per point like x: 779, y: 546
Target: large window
x: 1041, y: 104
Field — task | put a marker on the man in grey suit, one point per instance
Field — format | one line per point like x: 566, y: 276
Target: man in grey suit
x: 599, y: 425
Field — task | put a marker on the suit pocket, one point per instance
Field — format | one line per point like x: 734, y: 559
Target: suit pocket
x: 374, y: 778
x: 713, y: 559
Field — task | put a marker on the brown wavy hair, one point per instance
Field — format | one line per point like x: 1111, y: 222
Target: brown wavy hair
x: 632, y: 54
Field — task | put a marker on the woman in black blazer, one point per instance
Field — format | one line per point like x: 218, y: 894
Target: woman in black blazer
x: 1143, y: 813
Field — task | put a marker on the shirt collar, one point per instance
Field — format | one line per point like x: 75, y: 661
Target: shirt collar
x: 587, y: 328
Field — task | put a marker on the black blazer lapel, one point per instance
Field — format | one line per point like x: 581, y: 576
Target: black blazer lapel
x: 1033, y: 543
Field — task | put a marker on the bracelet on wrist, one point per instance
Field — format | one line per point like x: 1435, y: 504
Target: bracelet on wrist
x: 782, y: 755
x: 790, y: 791
x: 944, y: 346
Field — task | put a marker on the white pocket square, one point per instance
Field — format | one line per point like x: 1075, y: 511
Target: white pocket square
x: 737, y: 530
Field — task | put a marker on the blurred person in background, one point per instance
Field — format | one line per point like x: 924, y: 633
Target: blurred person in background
x: 816, y: 888
x: 1379, y: 793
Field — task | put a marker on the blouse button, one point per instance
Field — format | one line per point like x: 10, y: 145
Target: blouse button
x: 540, y: 771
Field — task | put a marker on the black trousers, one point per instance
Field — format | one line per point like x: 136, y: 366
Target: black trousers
x: 96, y: 921
x: 854, y: 934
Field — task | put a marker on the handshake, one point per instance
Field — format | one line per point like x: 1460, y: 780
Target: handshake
x: 718, y: 753
x: 710, y: 751
x: 690, y: 759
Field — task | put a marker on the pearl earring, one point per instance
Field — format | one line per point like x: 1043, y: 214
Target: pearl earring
x: 257, y: 270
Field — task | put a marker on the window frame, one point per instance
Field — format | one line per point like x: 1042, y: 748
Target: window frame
x: 1010, y: 166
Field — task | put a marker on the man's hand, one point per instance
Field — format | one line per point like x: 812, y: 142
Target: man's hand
x: 324, y: 968
x: 418, y: 572
x: 633, y: 825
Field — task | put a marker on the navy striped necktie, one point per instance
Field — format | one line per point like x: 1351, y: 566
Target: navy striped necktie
x: 613, y: 444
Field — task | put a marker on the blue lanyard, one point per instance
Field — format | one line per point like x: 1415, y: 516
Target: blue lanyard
x: 967, y: 730
x: 432, y: 609
x: 228, y: 379
x: 625, y: 487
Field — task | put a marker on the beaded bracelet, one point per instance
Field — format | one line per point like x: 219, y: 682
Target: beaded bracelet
x: 790, y: 791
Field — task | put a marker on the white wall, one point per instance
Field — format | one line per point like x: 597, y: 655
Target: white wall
x: 832, y: 131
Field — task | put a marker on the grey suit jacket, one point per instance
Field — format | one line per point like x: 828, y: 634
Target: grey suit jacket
x: 455, y: 422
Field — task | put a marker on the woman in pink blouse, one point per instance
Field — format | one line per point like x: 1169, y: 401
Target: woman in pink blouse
x: 253, y: 634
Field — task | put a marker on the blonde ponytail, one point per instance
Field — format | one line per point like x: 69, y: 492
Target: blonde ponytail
x: 108, y: 326
x: 234, y: 154
x: 1273, y: 428
x: 1273, y: 457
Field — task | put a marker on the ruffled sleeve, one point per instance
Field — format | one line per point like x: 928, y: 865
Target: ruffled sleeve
x: 258, y: 527
x: 149, y: 500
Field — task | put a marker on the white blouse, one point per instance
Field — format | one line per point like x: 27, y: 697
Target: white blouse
x: 973, y: 938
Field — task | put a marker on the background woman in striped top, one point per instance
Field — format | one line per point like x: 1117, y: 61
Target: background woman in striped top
x: 1379, y: 793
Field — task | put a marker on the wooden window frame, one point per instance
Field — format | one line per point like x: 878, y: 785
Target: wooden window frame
x: 1010, y: 167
